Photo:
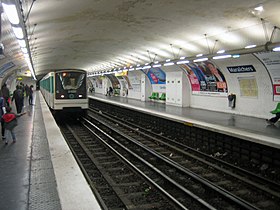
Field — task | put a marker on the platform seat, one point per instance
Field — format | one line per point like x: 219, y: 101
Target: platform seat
x: 162, y: 97
x: 276, y: 110
x: 154, y: 96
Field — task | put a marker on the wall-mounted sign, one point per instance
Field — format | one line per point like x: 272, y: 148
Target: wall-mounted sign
x: 248, y: 86
x: 241, y: 69
x: 6, y: 67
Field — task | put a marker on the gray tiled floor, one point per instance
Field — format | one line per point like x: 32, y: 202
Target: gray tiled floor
x: 27, y: 177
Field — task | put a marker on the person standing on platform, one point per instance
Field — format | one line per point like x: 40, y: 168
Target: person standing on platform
x: 31, y: 95
x: 111, y: 91
x: 26, y: 89
x: 10, y: 122
x: 2, y: 112
x: 18, y: 97
x: 273, y: 120
x: 22, y: 90
x: 5, y: 93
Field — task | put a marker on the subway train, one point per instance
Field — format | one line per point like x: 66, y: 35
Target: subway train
x: 65, y: 90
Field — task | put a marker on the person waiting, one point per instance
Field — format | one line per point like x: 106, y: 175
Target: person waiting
x: 276, y: 111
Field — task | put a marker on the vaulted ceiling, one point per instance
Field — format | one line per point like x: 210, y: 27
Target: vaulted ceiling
x: 103, y: 34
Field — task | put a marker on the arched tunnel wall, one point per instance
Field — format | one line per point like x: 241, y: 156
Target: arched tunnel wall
x: 257, y: 101
x: 258, y: 106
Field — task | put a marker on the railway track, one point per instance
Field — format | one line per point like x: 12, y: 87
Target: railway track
x: 116, y: 182
x: 241, y: 186
x: 254, y: 157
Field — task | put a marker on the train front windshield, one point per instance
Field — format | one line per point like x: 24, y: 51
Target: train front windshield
x: 70, y: 85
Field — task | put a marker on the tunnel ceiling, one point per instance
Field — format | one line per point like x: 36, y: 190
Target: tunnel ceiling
x: 102, y: 34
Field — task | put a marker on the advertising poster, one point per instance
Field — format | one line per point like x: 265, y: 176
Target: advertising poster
x: 205, y: 78
x: 157, y: 78
x: 135, y: 83
x: 271, y: 60
x: 114, y: 81
x: 155, y: 75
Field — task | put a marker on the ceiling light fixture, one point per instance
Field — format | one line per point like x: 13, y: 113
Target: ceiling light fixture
x: 221, y: 51
x: 250, y: 46
x: 24, y: 50
x: 156, y: 65
x: 221, y: 57
x: 146, y: 67
x: 276, y: 49
x: 199, y: 55
x: 12, y: 14
x: 18, y: 32
x: 259, y: 8
x: 168, y: 64
x: 200, y: 60
x: 21, y: 43
x: 182, y: 62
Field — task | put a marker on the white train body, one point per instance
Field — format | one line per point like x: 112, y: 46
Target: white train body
x: 65, y: 90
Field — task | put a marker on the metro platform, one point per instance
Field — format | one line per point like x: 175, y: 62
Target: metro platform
x: 247, y: 128
x: 39, y: 170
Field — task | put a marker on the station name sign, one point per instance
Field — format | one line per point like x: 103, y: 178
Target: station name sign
x: 241, y: 69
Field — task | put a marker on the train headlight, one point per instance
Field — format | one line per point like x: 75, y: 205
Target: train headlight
x: 62, y: 96
x: 80, y: 96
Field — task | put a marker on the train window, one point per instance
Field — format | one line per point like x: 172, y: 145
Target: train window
x: 71, y: 80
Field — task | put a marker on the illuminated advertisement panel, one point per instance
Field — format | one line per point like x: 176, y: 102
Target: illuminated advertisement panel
x: 205, y: 78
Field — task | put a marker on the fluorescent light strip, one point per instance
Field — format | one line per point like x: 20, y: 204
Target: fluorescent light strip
x: 221, y: 51
x: 11, y: 12
x: 147, y: 67
x: 24, y: 49
x: 259, y: 8
x: 22, y: 43
x: 276, y: 49
x: 156, y: 65
x: 200, y: 60
x: 221, y: 57
x: 18, y: 32
x: 168, y: 64
x: 250, y: 46
x: 182, y: 62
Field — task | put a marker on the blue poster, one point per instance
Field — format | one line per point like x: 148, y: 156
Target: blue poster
x: 155, y: 75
